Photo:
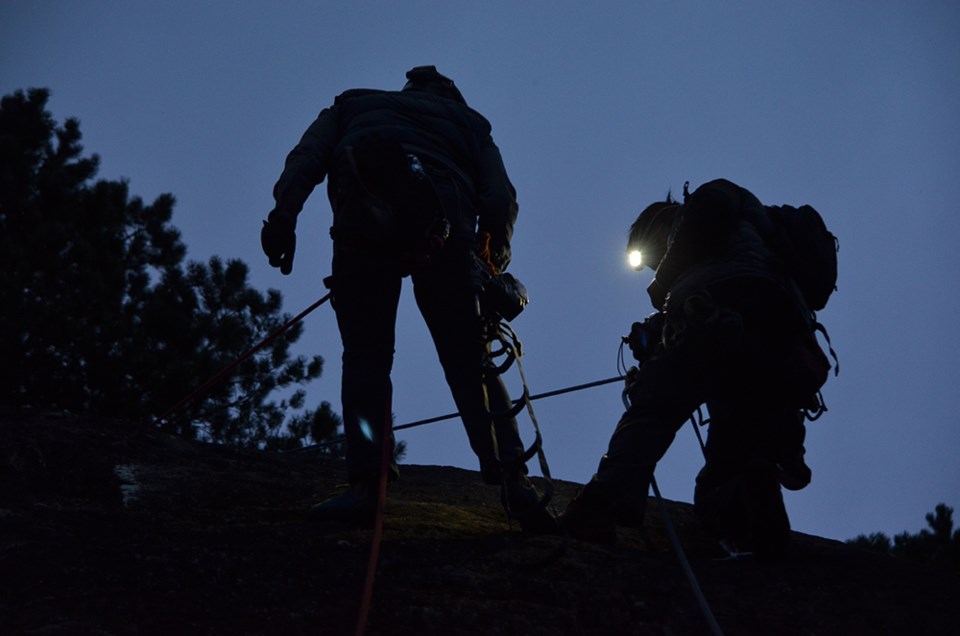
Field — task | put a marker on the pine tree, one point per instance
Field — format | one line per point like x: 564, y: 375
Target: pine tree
x: 100, y: 313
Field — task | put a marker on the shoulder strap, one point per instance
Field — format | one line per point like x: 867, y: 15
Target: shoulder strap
x: 818, y: 326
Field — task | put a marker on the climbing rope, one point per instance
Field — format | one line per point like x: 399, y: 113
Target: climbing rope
x: 511, y: 347
x: 695, y: 419
x: 449, y: 416
x: 219, y: 377
x: 366, y: 599
x: 684, y: 563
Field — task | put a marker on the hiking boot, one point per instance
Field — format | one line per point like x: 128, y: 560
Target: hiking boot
x: 745, y: 510
x: 356, y: 504
x: 525, y: 505
x: 589, y: 518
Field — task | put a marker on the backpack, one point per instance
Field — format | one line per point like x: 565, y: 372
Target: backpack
x: 808, y: 251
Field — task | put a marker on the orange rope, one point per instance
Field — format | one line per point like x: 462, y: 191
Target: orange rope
x: 484, y: 252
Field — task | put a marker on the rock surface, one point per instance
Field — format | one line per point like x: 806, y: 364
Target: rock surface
x: 111, y: 527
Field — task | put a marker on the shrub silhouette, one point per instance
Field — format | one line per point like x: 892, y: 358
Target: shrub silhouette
x: 939, y: 544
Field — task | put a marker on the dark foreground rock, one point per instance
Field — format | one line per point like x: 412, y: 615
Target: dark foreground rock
x: 110, y: 527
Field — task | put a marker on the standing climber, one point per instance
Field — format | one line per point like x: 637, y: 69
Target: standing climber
x: 417, y: 187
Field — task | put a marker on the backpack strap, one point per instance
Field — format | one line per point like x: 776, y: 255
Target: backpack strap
x: 817, y: 405
x: 818, y: 326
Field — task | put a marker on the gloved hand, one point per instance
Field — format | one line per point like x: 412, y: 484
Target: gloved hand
x: 638, y: 341
x: 645, y: 337
x: 279, y: 241
x: 500, y: 256
x: 495, y: 254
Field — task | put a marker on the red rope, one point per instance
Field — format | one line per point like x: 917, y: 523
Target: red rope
x: 385, y: 451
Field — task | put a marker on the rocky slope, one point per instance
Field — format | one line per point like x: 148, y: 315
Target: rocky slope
x: 110, y: 527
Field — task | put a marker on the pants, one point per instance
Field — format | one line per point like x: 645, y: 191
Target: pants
x: 725, y: 346
x: 366, y: 291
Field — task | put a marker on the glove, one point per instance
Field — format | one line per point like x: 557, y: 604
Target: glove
x: 495, y: 254
x: 500, y: 257
x: 279, y: 241
x: 638, y: 341
x: 645, y: 337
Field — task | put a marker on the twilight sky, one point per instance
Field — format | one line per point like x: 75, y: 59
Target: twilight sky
x: 598, y: 108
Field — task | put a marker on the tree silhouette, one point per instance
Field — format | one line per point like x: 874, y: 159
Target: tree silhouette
x: 100, y: 314
x: 940, y: 544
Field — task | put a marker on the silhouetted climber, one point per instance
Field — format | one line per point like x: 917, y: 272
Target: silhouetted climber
x: 417, y: 187
x: 734, y: 331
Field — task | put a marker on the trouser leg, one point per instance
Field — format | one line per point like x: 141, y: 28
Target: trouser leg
x: 668, y: 388
x: 737, y: 493
x: 448, y: 303
x: 365, y: 296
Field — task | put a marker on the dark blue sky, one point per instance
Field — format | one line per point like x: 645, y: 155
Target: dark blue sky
x: 598, y: 109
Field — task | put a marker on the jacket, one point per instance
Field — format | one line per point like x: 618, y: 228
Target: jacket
x: 437, y: 129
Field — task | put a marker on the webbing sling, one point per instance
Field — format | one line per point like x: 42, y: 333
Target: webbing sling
x: 510, y: 346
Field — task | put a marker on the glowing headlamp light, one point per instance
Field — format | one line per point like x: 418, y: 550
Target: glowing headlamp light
x: 635, y: 259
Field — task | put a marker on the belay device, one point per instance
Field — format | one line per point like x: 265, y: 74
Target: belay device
x: 500, y: 295
x: 504, y: 296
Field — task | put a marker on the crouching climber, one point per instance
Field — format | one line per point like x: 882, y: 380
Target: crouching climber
x: 734, y: 331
